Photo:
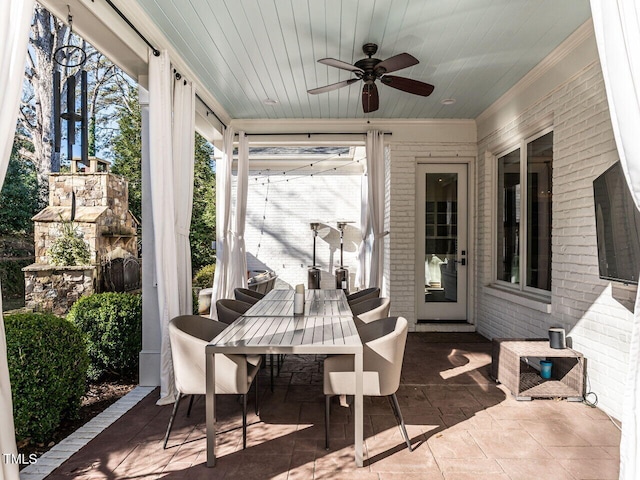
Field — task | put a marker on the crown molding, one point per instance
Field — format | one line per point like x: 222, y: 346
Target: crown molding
x: 338, y: 125
x: 561, y: 52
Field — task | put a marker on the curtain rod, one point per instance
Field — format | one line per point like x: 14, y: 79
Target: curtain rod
x: 209, y: 109
x: 309, y: 134
x: 156, y: 52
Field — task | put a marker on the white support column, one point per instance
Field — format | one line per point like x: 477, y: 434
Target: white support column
x: 151, y: 334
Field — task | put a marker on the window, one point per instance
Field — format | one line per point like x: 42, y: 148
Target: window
x: 523, y: 253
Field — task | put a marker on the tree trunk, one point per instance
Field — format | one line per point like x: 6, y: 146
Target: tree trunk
x: 47, y: 35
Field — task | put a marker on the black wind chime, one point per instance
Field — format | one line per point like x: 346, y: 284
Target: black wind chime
x: 70, y: 57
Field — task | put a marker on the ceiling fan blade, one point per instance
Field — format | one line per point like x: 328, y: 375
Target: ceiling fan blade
x: 370, y: 100
x: 408, y: 85
x: 332, y: 62
x: 397, y: 62
x: 333, y: 86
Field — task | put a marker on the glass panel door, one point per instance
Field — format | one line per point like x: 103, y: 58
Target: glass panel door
x: 442, y: 237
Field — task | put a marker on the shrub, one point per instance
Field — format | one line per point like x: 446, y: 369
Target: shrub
x: 204, y: 276
x: 112, y: 324
x: 47, y: 366
x: 69, y: 248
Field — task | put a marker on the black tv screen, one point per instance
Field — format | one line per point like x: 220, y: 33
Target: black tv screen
x: 617, y: 227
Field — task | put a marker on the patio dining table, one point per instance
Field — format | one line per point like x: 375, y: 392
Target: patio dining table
x: 270, y: 327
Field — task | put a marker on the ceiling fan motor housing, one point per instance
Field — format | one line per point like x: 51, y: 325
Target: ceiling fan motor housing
x: 370, y: 49
x: 369, y: 65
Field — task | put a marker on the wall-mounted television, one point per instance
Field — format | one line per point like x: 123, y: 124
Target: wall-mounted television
x: 617, y: 227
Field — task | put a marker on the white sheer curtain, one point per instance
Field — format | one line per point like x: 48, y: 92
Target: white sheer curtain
x: 370, y: 253
x: 364, y: 249
x: 617, y: 29
x: 223, y: 222
x: 171, y: 150
x: 238, y: 264
x: 183, y: 160
x: 15, y: 21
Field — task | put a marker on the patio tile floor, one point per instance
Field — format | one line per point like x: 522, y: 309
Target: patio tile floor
x: 462, y: 426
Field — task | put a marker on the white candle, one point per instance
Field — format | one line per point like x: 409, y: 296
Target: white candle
x: 298, y: 303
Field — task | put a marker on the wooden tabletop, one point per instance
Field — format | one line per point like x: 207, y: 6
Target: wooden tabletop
x: 289, y: 334
x: 270, y: 326
x: 278, y: 303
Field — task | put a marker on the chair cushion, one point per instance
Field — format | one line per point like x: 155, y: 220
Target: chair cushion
x: 383, y: 351
x: 340, y: 379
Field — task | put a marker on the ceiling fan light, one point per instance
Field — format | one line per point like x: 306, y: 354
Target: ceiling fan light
x: 448, y: 101
x: 270, y: 101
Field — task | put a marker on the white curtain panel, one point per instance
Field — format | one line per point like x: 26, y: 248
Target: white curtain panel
x: 370, y: 251
x: 223, y: 223
x: 617, y: 29
x: 364, y: 249
x: 15, y: 22
x: 183, y: 161
x: 375, y: 188
x: 164, y: 219
x: 238, y: 265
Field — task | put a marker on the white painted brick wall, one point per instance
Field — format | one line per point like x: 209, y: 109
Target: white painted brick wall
x: 596, y: 314
x: 282, y: 241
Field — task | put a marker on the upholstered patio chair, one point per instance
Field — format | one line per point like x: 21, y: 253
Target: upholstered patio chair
x: 369, y: 310
x: 229, y: 310
x: 383, y: 351
x: 189, y: 335
x: 247, y: 296
x: 362, y: 295
x: 272, y: 282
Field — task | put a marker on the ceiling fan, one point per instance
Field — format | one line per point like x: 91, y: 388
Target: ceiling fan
x: 371, y: 69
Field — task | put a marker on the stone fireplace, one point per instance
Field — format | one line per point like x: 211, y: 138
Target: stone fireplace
x: 103, y: 218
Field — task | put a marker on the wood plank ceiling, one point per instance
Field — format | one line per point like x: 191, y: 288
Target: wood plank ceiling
x: 247, y: 51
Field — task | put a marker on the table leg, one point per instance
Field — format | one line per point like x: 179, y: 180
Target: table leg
x: 211, y: 409
x: 359, y: 410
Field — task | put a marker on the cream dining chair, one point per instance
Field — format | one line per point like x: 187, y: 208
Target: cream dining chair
x: 362, y: 295
x: 247, y: 296
x: 189, y: 335
x: 383, y: 341
x: 229, y: 310
x: 369, y: 310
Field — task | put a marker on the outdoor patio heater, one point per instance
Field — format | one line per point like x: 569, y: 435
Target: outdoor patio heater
x: 314, y: 271
x: 342, y: 273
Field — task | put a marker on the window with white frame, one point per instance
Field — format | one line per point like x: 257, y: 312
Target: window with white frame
x: 524, y: 200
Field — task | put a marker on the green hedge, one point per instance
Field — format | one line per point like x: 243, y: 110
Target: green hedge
x: 204, y: 277
x: 112, y: 324
x: 47, y: 367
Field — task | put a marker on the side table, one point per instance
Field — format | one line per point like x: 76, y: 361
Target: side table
x: 510, y: 367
